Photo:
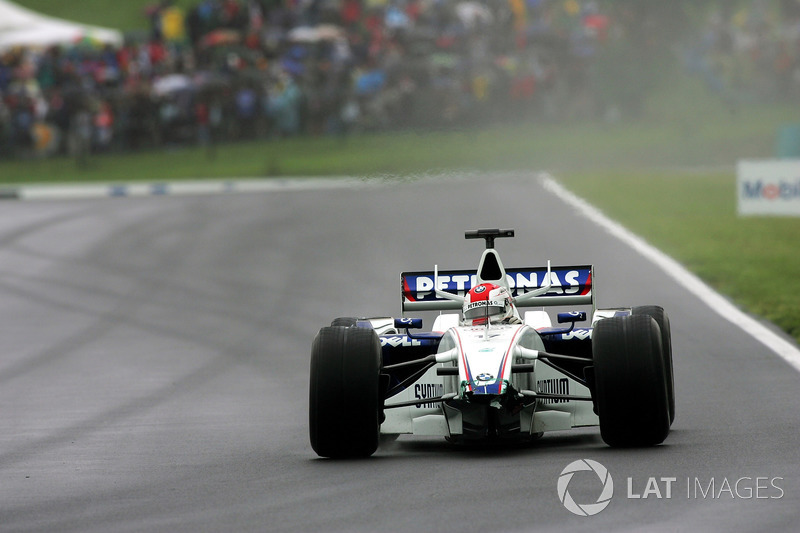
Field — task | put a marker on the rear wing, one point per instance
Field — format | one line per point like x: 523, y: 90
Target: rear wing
x: 569, y: 285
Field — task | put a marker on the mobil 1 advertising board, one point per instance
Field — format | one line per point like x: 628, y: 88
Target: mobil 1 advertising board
x: 768, y: 187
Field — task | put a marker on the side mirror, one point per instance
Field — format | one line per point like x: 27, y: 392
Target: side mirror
x: 408, y: 323
x: 571, y: 317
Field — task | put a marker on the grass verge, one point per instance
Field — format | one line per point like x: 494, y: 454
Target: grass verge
x: 655, y: 141
x: 692, y: 217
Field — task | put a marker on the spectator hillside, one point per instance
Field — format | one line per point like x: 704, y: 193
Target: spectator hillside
x: 226, y: 70
x: 748, y: 51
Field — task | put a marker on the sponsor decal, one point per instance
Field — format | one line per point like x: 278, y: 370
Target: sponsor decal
x: 770, y: 187
x: 423, y: 391
x: 577, y: 333
x: 771, y: 190
x: 399, y: 340
x: 484, y: 303
x: 553, y: 386
x: 419, y: 286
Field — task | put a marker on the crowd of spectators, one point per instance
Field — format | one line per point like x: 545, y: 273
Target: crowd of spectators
x: 227, y: 70
x: 749, y: 51
x: 242, y: 69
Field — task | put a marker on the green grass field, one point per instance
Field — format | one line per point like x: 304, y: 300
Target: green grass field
x: 719, y: 137
x: 692, y: 217
x: 646, y: 173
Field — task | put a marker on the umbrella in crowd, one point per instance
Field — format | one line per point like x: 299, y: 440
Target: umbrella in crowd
x: 473, y: 14
x: 220, y: 37
x: 171, y: 83
x: 313, y: 34
x: 370, y: 82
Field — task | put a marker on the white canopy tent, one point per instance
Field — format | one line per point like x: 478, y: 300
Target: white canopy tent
x: 20, y: 26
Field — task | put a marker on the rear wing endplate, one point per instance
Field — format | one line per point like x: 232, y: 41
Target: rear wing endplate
x: 570, y: 285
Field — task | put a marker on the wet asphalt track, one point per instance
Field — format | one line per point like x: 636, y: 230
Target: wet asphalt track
x: 154, y: 372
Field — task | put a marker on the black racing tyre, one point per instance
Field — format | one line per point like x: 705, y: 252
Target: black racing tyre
x: 345, y: 321
x: 630, y: 382
x: 344, y: 396
x: 660, y: 316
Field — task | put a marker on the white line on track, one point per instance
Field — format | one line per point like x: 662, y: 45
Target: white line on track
x: 176, y: 188
x: 785, y: 349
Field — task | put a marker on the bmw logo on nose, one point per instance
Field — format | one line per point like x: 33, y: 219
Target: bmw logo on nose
x: 484, y: 377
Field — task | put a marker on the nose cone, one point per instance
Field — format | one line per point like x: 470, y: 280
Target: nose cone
x: 486, y: 362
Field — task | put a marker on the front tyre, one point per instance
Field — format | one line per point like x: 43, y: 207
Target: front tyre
x: 344, y: 394
x: 345, y: 321
x: 630, y: 381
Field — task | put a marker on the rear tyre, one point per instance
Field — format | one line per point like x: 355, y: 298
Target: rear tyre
x: 630, y: 381
x: 660, y: 316
x: 344, y: 398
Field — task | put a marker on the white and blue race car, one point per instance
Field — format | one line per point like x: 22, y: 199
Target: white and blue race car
x: 485, y: 372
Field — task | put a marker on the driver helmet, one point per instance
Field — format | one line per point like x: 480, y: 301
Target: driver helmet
x: 489, y: 303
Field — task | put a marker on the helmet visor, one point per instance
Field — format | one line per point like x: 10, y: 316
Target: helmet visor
x: 484, y: 309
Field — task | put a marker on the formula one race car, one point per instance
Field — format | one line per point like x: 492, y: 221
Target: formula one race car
x: 487, y: 373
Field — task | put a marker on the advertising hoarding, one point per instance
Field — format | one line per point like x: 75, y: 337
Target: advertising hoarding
x: 768, y: 187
